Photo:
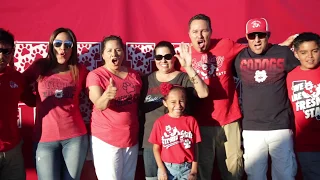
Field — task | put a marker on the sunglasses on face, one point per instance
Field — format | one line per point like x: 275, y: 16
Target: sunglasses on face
x: 260, y: 35
x: 5, y: 51
x: 166, y: 57
x: 67, y: 44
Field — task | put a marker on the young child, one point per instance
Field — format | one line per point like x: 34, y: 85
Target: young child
x: 174, y: 137
x: 303, y: 85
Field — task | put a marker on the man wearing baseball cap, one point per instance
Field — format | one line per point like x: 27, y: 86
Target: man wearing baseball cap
x: 267, y: 115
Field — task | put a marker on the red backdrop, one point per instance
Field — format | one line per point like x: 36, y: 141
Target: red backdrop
x: 141, y: 23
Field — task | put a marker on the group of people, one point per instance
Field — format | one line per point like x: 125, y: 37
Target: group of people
x: 189, y: 107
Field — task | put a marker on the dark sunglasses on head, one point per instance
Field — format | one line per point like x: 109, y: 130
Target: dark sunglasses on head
x: 166, y: 57
x: 260, y: 35
x: 67, y: 44
x: 5, y: 51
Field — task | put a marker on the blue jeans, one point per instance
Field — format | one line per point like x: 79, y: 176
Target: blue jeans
x: 310, y: 165
x: 178, y: 171
x: 61, y: 159
x: 150, y: 164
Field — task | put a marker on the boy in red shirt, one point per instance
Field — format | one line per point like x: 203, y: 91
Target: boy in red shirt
x: 303, y: 84
x: 12, y: 86
x: 174, y: 137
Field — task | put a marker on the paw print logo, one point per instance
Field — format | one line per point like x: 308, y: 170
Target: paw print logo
x: 82, y: 48
x: 86, y: 61
x: 128, y: 87
x: 58, y: 93
x: 260, y: 76
x: 138, y: 61
x: 187, y: 143
x: 25, y: 63
x: 37, y: 53
x: 24, y: 50
x: 95, y: 53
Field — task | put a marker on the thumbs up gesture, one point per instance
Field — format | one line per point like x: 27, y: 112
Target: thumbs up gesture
x: 111, y: 90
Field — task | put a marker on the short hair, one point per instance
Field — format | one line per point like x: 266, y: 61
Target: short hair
x: 166, y: 44
x: 6, y: 37
x: 306, y: 37
x: 201, y: 17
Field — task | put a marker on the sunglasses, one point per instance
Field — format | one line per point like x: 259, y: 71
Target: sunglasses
x: 67, y: 44
x: 166, y: 57
x: 5, y: 51
x: 260, y: 35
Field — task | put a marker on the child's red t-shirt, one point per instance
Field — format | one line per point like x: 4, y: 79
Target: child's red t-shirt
x: 304, y: 94
x: 177, y: 138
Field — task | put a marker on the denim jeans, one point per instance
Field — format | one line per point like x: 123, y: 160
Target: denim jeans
x: 150, y: 164
x: 178, y: 171
x: 61, y: 159
x: 12, y: 165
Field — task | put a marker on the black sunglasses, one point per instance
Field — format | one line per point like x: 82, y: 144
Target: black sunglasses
x: 67, y: 44
x: 260, y: 35
x: 166, y: 57
x: 5, y: 51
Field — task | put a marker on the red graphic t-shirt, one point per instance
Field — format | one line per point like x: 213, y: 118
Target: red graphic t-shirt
x: 304, y: 94
x: 215, y: 68
x: 58, y: 115
x: 118, y: 124
x: 177, y: 138
x: 11, y: 86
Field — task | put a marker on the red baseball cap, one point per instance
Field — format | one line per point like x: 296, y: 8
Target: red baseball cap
x: 257, y: 25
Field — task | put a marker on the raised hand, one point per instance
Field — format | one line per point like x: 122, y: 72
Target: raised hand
x: 289, y: 40
x: 185, y: 57
x: 111, y: 90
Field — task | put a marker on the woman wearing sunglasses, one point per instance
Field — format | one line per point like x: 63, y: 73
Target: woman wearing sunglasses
x: 60, y: 136
x: 114, y: 90
x: 153, y: 108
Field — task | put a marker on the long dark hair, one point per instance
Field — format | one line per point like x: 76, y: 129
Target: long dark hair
x: 50, y: 62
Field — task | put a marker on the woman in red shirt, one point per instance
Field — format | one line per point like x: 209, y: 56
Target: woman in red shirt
x: 114, y: 90
x: 60, y: 134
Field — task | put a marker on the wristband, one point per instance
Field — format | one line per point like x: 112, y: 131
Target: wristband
x: 193, y: 78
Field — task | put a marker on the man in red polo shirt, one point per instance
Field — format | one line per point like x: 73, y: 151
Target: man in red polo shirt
x: 11, y: 89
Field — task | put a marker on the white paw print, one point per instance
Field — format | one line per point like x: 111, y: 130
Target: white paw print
x: 187, y: 143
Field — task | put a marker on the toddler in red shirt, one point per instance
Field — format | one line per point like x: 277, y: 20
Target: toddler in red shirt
x: 175, y: 136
